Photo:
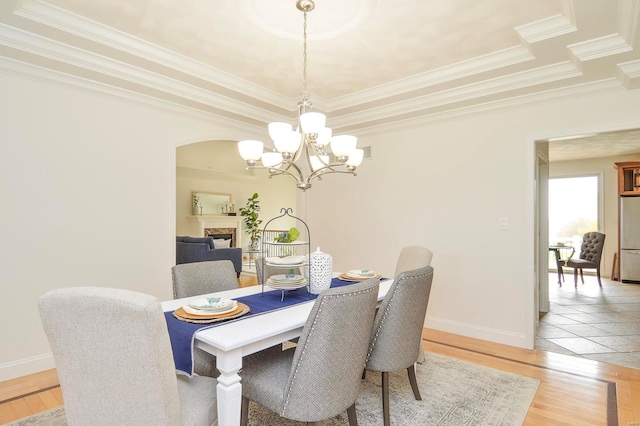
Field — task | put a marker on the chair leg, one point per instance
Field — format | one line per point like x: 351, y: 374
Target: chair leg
x: 598, y: 272
x: 385, y: 398
x: 351, y: 413
x: 421, y: 355
x: 244, y: 412
x: 414, y: 383
x: 581, y: 276
x: 575, y: 277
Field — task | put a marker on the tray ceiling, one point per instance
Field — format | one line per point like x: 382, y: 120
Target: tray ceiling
x: 371, y: 63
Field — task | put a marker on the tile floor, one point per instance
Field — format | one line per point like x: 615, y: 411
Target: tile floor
x: 602, y: 324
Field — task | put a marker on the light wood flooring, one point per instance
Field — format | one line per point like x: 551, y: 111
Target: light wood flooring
x: 573, y: 391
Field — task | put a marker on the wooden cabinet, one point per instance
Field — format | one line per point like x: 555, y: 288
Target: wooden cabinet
x: 628, y: 178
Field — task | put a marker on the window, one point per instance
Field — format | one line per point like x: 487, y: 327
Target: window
x: 573, y: 210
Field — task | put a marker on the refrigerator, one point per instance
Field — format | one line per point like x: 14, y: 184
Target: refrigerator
x: 630, y: 239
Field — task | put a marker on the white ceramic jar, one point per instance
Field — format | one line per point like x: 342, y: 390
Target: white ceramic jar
x: 320, y: 271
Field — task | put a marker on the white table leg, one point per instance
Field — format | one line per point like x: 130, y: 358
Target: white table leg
x: 229, y: 388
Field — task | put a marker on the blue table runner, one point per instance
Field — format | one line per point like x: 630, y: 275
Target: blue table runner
x: 182, y: 334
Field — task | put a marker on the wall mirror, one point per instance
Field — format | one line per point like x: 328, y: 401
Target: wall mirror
x: 212, y: 202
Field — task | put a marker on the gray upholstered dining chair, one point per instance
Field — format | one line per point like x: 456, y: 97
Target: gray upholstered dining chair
x: 590, y: 256
x: 114, y: 361
x: 414, y: 257
x: 321, y: 378
x: 194, y: 279
x: 395, y: 341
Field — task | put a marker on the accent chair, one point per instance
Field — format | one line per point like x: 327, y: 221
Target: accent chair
x: 590, y: 256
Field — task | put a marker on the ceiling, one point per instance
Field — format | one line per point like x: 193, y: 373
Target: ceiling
x: 372, y: 64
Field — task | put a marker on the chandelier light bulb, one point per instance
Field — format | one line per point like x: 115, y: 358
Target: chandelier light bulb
x: 343, y: 145
x: 324, y: 136
x: 289, y: 142
x: 250, y: 150
x: 272, y: 159
x: 318, y: 163
x: 278, y: 130
x: 355, y: 159
x: 312, y: 122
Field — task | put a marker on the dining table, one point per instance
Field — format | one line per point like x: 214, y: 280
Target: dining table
x: 560, y: 261
x: 232, y: 340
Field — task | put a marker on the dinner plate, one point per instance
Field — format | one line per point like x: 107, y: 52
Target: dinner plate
x: 350, y: 278
x: 281, y: 266
x: 205, y: 312
x: 212, y: 303
x: 285, y: 261
x: 287, y: 279
x: 184, y: 314
x: 363, y: 273
x: 286, y: 286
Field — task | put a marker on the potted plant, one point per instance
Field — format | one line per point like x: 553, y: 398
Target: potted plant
x: 196, y: 199
x: 251, y: 221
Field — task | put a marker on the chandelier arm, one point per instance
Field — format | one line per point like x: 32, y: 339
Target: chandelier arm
x: 298, y: 176
x: 298, y: 153
x: 277, y: 171
x: 327, y: 170
x: 317, y: 152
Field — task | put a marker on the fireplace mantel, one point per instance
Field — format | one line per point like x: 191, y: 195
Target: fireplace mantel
x: 197, y: 225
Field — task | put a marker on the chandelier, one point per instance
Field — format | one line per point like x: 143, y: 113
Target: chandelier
x: 305, y: 143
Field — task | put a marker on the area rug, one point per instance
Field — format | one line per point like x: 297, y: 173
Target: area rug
x: 453, y: 393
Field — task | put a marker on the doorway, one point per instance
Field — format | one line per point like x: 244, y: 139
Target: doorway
x: 573, y: 211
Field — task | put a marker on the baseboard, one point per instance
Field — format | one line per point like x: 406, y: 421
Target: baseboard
x: 26, y: 366
x: 483, y: 333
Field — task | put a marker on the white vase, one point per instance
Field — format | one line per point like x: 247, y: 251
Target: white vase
x: 320, y: 271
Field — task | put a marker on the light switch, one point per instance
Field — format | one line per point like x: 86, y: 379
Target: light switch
x: 504, y: 223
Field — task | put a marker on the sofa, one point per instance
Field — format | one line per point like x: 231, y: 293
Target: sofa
x: 195, y: 249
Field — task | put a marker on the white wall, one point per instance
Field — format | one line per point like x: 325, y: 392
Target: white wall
x: 87, y: 185
x: 445, y: 185
x: 605, y: 168
x: 88, y: 193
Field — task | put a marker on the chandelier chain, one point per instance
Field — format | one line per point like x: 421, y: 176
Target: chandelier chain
x: 304, y: 54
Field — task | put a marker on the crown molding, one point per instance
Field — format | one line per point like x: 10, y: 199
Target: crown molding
x: 629, y: 74
x: 91, y: 71
x: 58, y: 79
x: 553, y: 26
x: 45, y: 13
x: 47, y: 48
x: 492, y: 61
x: 523, y: 101
x: 481, y: 89
x: 600, y: 47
